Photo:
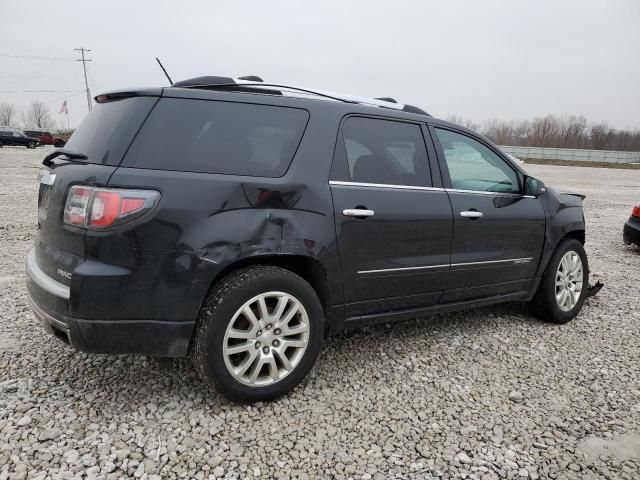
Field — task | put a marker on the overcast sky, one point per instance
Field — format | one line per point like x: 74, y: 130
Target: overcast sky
x: 479, y: 59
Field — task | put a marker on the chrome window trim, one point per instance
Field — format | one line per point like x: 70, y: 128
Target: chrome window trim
x: 515, y: 261
x: 43, y: 280
x: 340, y: 183
x: 481, y: 192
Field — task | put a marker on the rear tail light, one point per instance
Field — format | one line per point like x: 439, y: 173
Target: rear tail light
x: 636, y: 210
x: 98, y: 208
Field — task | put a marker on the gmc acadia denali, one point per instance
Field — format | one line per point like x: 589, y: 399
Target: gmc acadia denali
x: 241, y: 223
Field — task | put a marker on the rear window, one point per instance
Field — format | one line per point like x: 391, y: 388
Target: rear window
x: 108, y: 129
x: 218, y: 137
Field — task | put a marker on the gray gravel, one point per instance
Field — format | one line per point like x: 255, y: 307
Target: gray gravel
x: 484, y: 394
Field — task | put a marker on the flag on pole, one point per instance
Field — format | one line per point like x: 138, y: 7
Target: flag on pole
x: 63, y: 108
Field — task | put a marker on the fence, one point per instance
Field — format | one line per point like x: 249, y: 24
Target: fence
x: 573, y: 154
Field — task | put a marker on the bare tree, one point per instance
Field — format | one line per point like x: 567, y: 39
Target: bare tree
x: 600, y: 134
x: 7, y: 114
x: 38, y: 115
x: 500, y: 132
x: 464, y: 122
x: 572, y: 131
x: 544, y: 131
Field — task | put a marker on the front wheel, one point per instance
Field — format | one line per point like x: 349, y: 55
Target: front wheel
x: 259, y: 333
x: 563, y: 287
x: 31, y: 145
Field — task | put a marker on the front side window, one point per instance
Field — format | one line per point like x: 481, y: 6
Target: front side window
x: 473, y: 166
x: 383, y: 152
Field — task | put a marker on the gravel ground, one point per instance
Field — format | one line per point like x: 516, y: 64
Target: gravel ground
x: 484, y: 394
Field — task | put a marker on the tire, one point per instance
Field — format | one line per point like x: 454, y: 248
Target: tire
x: 59, y: 144
x: 545, y: 305
x: 1, y: 144
x: 31, y: 145
x: 222, y: 310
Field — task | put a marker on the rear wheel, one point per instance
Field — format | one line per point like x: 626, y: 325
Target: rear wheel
x: 259, y: 333
x: 563, y: 287
x: 59, y: 143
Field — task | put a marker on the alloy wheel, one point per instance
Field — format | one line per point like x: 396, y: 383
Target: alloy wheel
x: 266, y: 339
x: 569, y: 279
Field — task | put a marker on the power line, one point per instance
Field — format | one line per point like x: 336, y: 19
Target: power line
x: 38, y: 91
x: 78, y: 92
x: 84, y: 61
x: 35, y: 57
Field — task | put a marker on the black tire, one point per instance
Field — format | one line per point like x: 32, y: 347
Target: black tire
x: 31, y: 145
x: 544, y: 304
x: 59, y: 144
x: 227, y: 296
x: 1, y: 144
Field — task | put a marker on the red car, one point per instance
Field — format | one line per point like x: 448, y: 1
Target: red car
x: 45, y: 138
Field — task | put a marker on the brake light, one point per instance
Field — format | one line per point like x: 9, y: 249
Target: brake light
x: 636, y: 210
x: 99, y: 208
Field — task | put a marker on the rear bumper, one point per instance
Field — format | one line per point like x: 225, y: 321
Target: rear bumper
x: 49, y: 301
x: 631, y: 231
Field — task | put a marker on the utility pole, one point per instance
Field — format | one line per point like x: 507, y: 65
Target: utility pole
x: 84, y: 60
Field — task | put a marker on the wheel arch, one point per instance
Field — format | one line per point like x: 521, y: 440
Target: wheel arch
x: 577, y: 233
x: 309, y: 268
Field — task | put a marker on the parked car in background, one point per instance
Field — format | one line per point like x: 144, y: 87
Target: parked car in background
x: 241, y: 223
x: 631, y: 231
x: 45, y: 137
x: 10, y: 138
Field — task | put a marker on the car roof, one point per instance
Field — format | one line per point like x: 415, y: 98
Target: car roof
x: 252, y: 91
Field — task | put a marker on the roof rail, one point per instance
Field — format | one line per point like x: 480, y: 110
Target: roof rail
x: 251, y: 83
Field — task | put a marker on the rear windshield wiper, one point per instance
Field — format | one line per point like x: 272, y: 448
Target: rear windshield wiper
x: 48, y: 160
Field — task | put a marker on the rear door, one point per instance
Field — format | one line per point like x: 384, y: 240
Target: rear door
x: 103, y: 137
x: 498, y: 232
x: 393, y: 224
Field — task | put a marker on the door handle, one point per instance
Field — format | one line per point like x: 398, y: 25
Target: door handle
x: 471, y: 214
x: 358, y: 212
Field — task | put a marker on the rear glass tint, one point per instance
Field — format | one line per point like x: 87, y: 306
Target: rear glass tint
x: 218, y: 137
x: 106, y: 132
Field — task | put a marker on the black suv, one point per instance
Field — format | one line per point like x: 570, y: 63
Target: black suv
x: 241, y: 223
x: 10, y: 138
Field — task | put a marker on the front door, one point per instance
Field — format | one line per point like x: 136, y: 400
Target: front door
x: 498, y: 232
x: 393, y: 226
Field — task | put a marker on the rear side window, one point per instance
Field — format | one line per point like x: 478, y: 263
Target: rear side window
x: 106, y: 132
x: 218, y: 137
x: 381, y: 151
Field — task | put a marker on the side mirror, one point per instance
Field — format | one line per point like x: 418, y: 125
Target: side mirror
x: 533, y: 186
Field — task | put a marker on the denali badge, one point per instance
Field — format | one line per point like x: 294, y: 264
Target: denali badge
x: 64, y: 274
x: 521, y: 260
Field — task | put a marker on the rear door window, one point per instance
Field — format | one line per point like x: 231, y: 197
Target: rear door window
x: 218, y: 137
x: 379, y: 151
